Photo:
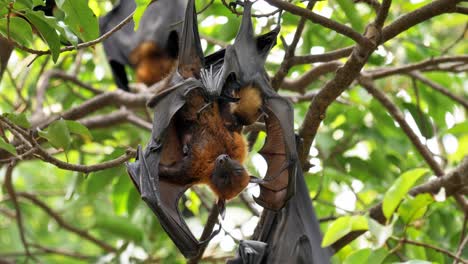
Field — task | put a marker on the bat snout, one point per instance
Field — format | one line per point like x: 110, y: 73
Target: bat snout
x: 222, y: 159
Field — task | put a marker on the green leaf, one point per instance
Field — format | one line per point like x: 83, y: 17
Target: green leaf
x: 399, y: 189
x: 140, y: 9
x: 422, y: 120
x: 18, y: 119
x: 21, y: 5
x: 20, y: 30
x: 378, y: 256
x: 57, y: 134
x: 80, y: 18
x: 359, y: 256
x: 349, y: 8
x: 47, y: 31
x: 414, y: 261
x: 342, y: 226
x: 7, y: 147
x: 97, y: 181
x: 77, y: 128
x: 380, y: 232
x: 66, y: 34
x: 119, y: 226
x: 458, y: 129
x: 414, y: 208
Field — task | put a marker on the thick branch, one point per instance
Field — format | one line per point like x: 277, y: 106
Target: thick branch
x: 300, y: 84
x: 325, y: 57
x: 422, y: 14
x: 117, y: 98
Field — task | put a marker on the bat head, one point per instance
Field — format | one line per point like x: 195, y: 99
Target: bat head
x: 229, y: 177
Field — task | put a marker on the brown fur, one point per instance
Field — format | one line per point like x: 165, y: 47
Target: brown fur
x: 247, y: 109
x: 210, y: 139
x: 151, y: 64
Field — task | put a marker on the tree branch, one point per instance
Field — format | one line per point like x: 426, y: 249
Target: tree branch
x: 323, y: 21
x: 439, y: 88
x: 61, y: 222
x: 300, y: 84
x: 421, y: 66
x: 441, y: 250
x: 451, y: 182
x: 19, y: 216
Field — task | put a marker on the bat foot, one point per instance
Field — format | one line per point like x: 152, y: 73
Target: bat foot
x: 222, y: 208
x: 199, y: 112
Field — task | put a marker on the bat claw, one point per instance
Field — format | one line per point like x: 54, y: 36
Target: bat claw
x: 199, y: 112
x: 257, y: 180
x: 222, y: 208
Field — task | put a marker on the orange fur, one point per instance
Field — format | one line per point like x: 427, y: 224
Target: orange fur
x: 211, y: 139
x: 151, y: 64
x: 247, y: 109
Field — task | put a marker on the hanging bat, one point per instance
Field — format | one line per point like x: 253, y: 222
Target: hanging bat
x: 152, y: 50
x: 196, y: 130
x: 243, y: 72
x: 295, y: 223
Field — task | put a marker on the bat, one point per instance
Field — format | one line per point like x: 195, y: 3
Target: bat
x: 297, y: 224
x: 152, y: 50
x: 243, y: 72
x: 196, y: 136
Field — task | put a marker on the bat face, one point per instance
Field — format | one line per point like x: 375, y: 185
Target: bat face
x: 196, y: 129
x: 229, y: 177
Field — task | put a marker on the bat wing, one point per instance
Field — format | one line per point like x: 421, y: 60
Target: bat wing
x: 295, y: 223
x: 245, y: 59
x: 250, y: 252
x: 280, y: 154
x: 161, y: 194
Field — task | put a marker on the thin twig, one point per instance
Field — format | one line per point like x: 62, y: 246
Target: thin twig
x: 61, y: 222
x: 19, y: 217
x: 438, y: 249
x: 440, y: 89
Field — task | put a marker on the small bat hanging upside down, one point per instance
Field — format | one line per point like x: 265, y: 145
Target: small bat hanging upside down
x: 196, y: 136
x: 152, y: 50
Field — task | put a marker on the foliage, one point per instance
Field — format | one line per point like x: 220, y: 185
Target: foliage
x: 360, y: 156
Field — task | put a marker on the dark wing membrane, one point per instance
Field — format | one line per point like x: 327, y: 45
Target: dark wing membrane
x: 298, y: 225
x: 161, y: 195
x: 280, y: 154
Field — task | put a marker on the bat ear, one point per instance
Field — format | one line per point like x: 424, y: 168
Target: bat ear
x: 222, y: 208
x: 191, y: 58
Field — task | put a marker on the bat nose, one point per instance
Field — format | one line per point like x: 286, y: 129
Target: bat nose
x: 221, y: 159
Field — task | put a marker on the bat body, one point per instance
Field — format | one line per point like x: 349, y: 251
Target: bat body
x: 197, y: 124
x: 153, y: 49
